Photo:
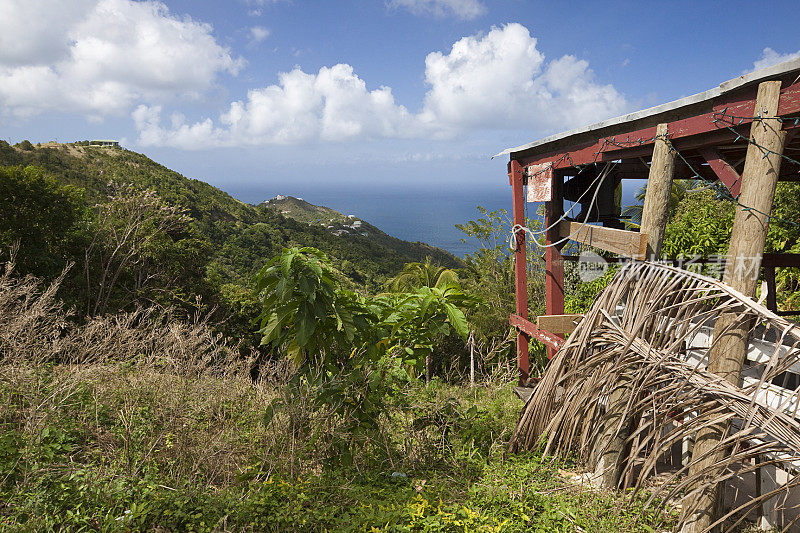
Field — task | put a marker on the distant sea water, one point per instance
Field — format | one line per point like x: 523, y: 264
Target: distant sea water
x: 414, y: 213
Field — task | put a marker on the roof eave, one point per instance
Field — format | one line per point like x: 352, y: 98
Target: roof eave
x: 783, y: 68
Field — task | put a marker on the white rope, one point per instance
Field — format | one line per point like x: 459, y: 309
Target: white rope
x: 600, y: 176
x: 512, y: 242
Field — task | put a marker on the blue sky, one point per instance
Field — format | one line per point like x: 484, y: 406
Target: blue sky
x: 389, y: 93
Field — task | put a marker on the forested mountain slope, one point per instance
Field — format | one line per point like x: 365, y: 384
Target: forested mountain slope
x: 242, y: 236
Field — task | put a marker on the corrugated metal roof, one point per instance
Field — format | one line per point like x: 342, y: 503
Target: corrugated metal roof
x: 674, y: 106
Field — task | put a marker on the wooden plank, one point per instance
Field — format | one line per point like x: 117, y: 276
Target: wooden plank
x: 628, y: 243
x: 558, y: 324
x: 529, y: 328
x: 659, y: 190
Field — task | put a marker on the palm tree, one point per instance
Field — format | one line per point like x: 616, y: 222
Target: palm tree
x: 425, y: 274
x: 417, y: 275
x: 679, y: 188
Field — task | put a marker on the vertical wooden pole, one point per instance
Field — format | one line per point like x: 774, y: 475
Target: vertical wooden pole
x: 553, y: 262
x: 612, y: 444
x: 748, y: 237
x: 471, y: 343
x: 659, y: 188
x: 515, y: 176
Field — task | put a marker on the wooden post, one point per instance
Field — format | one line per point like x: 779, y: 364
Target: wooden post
x: 659, y: 188
x: 517, y: 180
x: 726, y: 358
x: 772, y: 298
x: 471, y: 343
x: 553, y: 262
x: 612, y: 443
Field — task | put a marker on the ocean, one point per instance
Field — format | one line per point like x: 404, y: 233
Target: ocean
x: 426, y: 213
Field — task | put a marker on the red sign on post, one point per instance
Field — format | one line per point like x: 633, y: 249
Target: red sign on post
x: 540, y: 182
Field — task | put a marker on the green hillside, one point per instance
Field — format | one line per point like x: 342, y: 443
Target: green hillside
x: 72, y: 204
x: 351, y: 226
x: 242, y: 236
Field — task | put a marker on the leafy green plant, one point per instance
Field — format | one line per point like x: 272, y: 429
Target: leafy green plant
x: 335, y: 340
x: 424, y: 274
x: 583, y: 294
x: 305, y: 311
x: 699, y: 226
x: 420, y: 318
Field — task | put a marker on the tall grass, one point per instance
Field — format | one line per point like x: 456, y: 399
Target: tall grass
x: 148, y: 421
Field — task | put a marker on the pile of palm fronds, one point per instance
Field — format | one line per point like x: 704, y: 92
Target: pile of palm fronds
x: 630, y: 385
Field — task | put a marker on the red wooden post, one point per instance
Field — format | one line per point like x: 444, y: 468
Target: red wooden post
x: 553, y: 262
x: 516, y: 178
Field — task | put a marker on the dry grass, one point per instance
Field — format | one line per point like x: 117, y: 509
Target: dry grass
x: 143, y: 384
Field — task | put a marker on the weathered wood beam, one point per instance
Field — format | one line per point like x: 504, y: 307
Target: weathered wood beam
x: 767, y: 260
x: 550, y: 340
x: 635, y: 169
x: 613, y: 450
x: 748, y: 238
x: 628, y: 243
x: 780, y: 260
x: 558, y: 324
x: 724, y: 171
x: 659, y: 189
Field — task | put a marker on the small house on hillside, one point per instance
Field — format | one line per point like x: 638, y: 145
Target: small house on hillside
x: 104, y: 142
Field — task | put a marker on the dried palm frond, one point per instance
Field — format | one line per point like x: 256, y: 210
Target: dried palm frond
x: 632, y: 379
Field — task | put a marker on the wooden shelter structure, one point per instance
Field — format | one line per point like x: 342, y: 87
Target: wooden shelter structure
x: 740, y: 138
x: 707, y: 136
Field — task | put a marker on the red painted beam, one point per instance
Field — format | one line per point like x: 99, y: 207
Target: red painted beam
x: 723, y: 170
x: 551, y: 340
x: 553, y: 263
x: 712, y: 138
x: 639, y: 142
x: 517, y: 179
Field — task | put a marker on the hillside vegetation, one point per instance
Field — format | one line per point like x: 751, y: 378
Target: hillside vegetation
x: 147, y: 422
x: 242, y: 236
x: 137, y: 233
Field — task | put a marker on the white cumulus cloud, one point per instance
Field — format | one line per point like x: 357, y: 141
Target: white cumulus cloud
x: 770, y: 57
x: 257, y: 34
x: 499, y: 80
x: 463, y: 9
x: 332, y: 105
x: 102, y: 57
